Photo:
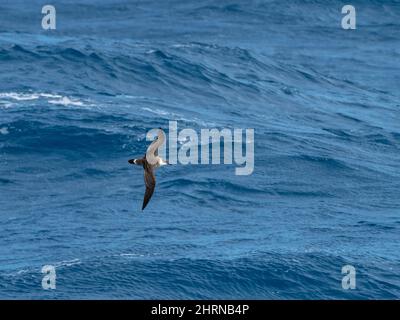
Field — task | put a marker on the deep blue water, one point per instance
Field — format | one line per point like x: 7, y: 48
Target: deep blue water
x: 76, y: 103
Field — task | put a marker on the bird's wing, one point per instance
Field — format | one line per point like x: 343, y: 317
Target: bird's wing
x: 153, y: 147
x: 150, y: 181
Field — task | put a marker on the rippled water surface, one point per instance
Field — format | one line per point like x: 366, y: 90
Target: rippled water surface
x: 77, y: 102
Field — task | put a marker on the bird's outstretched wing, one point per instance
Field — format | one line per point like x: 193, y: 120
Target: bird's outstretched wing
x: 153, y: 147
x: 150, y: 181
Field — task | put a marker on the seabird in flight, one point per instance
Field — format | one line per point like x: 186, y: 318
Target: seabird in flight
x: 150, y: 162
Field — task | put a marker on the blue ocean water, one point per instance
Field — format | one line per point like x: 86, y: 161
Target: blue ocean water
x: 77, y: 102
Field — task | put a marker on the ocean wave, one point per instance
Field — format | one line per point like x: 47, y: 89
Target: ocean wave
x: 257, y: 276
x: 170, y: 68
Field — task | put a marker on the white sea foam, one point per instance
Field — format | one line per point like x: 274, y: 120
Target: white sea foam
x: 57, y: 99
x: 5, y: 104
x: 65, y: 101
x: 49, y: 95
x: 183, y: 45
x: 20, y: 96
x: 179, y: 117
x: 131, y: 255
x: 67, y: 263
x: 157, y: 111
x: 4, y: 130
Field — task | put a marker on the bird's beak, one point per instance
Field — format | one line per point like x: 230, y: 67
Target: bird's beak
x: 132, y: 161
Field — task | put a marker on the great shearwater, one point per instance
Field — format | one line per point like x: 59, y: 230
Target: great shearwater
x: 150, y: 162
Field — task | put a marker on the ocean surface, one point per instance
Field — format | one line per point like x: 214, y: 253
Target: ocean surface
x: 76, y: 104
